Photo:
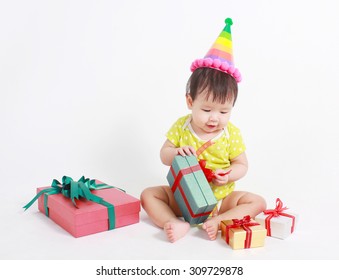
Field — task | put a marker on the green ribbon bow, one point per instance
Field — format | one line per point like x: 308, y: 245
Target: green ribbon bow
x: 76, y: 190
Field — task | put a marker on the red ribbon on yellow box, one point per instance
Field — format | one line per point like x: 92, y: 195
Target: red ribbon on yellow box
x: 245, y: 223
x: 278, y: 211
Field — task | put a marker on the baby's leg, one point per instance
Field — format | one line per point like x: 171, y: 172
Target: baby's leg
x: 159, y: 204
x: 235, y: 206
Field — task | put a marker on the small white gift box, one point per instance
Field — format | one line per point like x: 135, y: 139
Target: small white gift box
x: 277, y: 222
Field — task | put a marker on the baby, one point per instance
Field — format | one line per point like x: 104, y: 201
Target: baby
x: 211, y: 94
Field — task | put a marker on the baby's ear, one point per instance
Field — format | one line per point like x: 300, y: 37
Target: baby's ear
x: 189, y: 101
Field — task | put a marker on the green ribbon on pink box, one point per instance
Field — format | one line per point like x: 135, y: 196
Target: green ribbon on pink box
x: 76, y: 190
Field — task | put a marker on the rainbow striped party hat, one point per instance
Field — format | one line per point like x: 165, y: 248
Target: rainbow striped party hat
x: 220, y: 55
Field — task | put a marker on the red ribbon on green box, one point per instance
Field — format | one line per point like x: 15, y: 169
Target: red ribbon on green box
x: 276, y: 212
x: 176, y: 185
x: 245, y: 223
x: 76, y: 190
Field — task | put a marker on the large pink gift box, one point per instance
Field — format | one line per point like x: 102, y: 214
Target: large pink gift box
x: 90, y: 217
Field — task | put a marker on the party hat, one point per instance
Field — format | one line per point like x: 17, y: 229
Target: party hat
x: 220, y: 55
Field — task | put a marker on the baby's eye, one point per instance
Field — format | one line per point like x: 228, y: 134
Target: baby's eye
x: 206, y: 110
x: 224, y: 112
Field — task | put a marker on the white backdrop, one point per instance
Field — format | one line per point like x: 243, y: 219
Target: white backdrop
x: 91, y: 87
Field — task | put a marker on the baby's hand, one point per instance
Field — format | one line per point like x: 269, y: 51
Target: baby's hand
x: 221, y: 177
x: 186, y: 151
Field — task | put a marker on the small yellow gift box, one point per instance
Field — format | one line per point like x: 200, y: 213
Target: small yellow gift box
x: 244, y: 233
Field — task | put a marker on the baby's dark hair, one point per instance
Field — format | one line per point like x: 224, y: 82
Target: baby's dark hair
x: 222, y: 86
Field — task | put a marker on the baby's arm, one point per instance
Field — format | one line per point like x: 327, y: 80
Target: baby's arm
x: 239, y: 166
x: 169, y: 151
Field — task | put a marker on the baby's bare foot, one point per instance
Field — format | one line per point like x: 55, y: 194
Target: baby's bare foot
x: 176, y: 229
x: 211, y: 226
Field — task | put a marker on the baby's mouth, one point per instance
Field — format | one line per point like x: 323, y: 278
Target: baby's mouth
x: 211, y: 126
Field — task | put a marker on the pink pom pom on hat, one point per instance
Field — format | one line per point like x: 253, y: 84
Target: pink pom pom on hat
x: 220, y: 55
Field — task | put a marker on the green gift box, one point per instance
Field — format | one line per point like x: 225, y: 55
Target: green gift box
x: 191, y: 190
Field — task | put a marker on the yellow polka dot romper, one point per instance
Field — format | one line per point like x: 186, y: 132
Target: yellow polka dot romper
x: 227, y: 145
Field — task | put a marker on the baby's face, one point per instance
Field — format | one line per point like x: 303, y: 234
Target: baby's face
x: 208, y: 116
